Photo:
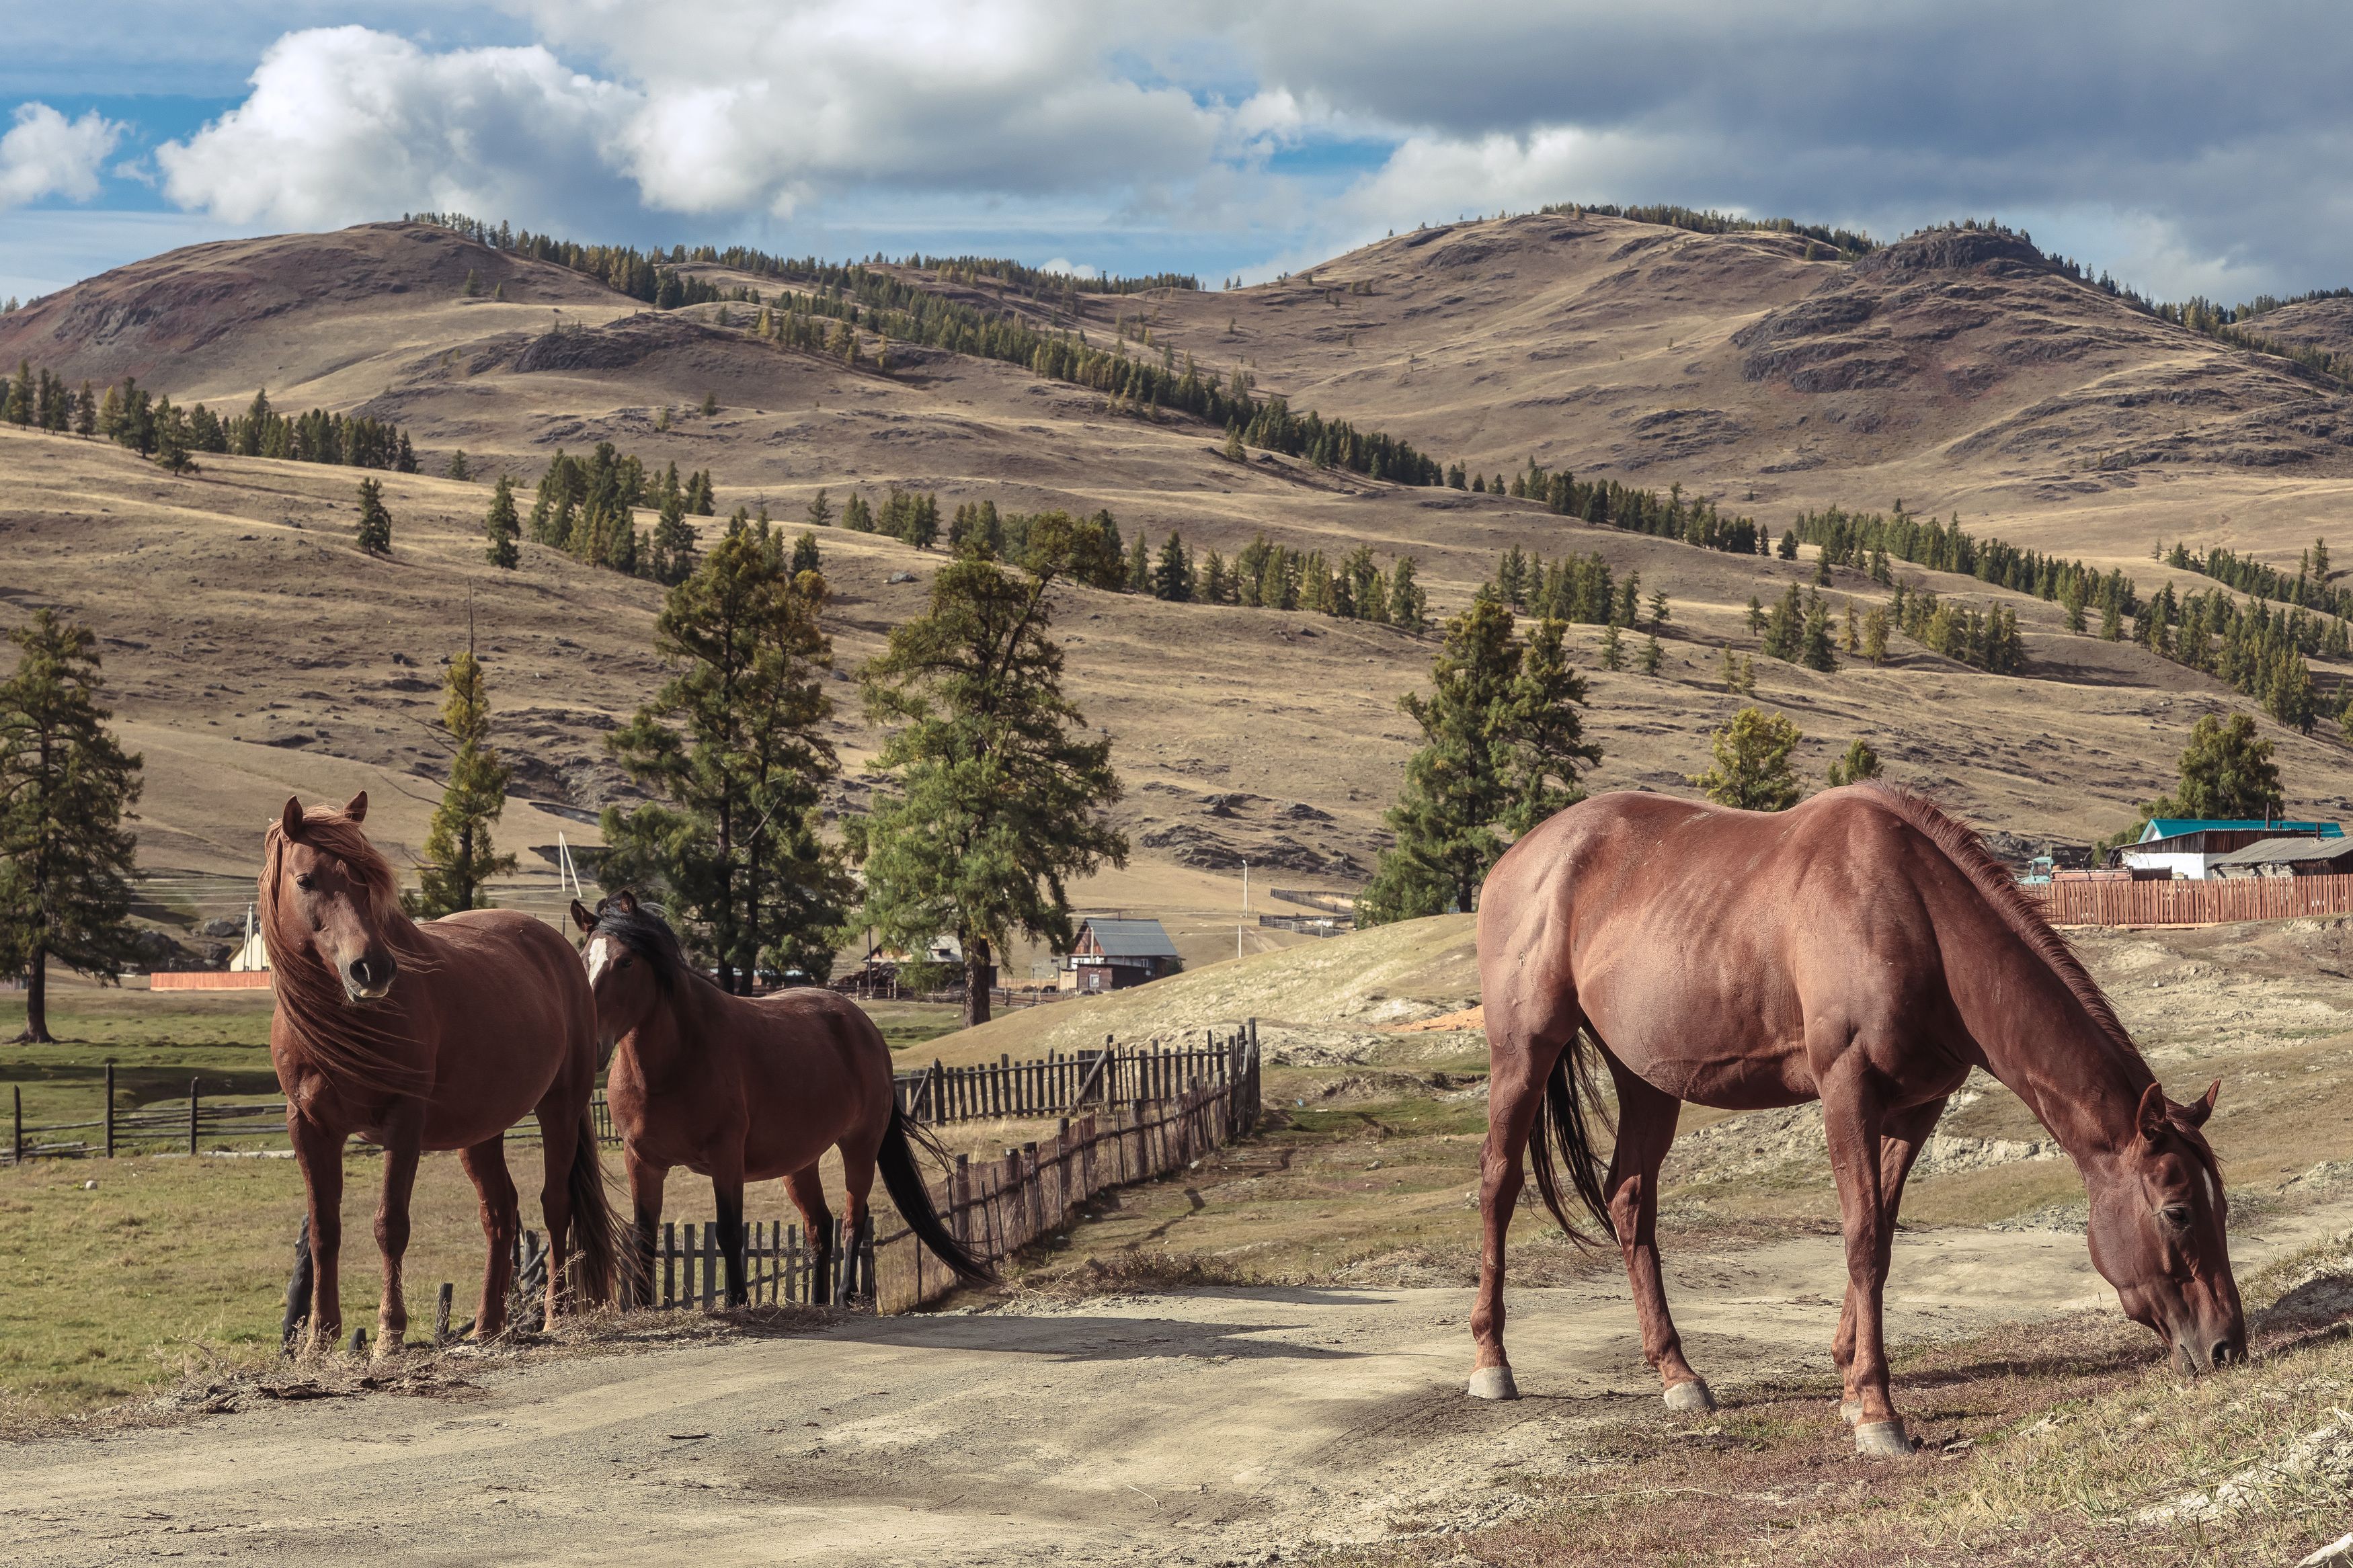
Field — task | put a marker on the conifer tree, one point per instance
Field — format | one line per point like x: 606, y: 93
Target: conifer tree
x: 995, y: 795
x: 458, y: 468
x: 856, y: 515
x: 1752, y: 769
x: 1409, y: 605
x: 501, y: 527
x: 1817, y: 651
x: 1755, y: 615
x: 672, y: 545
x: 1139, y: 566
x: 821, y: 510
x: 1652, y: 655
x: 1502, y: 745
x: 804, y: 555
x: 1234, y: 452
x: 733, y: 748
x: 459, y: 858
x: 709, y: 403
x: 1614, y: 654
x: 65, y: 788
x: 1859, y: 763
x: 1874, y: 635
x: 373, y: 531
x: 1172, y: 577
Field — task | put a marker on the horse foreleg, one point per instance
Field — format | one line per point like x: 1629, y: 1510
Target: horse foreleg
x: 727, y: 1197
x: 1646, y: 1129
x: 319, y: 1153
x: 1516, y: 1094
x: 1853, y: 1122
x: 808, y: 1193
x: 1900, y: 1139
x: 400, y: 1152
x: 486, y: 1163
x: 646, y: 1180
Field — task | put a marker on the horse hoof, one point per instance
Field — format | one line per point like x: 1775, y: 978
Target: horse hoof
x: 1690, y: 1398
x: 1881, y: 1439
x: 1494, y: 1383
x: 1851, y: 1411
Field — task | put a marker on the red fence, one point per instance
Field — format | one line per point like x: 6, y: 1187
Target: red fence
x: 2214, y: 901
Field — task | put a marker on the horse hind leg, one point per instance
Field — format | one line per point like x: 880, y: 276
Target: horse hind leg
x: 1646, y: 1129
x: 808, y: 1193
x: 559, y: 1141
x: 1520, y: 1061
x: 858, y: 1221
x: 486, y: 1164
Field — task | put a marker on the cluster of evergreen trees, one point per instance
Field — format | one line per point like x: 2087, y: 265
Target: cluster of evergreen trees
x: 1864, y: 542
x: 2310, y: 588
x: 1609, y: 503
x: 2256, y: 647
x: 586, y: 506
x: 155, y: 427
x: 1576, y: 589
x: 1701, y: 221
x: 912, y: 517
x: 1985, y: 639
x: 648, y: 275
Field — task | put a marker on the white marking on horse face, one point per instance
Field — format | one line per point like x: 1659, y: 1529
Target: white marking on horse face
x: 600, y: 957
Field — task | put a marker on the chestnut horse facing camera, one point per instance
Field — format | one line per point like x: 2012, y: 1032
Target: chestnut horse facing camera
x: 745, y: 1090
x: 1863, y: 949
x: 438, y: 1036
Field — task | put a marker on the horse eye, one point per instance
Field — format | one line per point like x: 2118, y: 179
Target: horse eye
x: 304, y: 880
x: 2178, y: 1215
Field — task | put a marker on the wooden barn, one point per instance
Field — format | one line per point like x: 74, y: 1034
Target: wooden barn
x: 1113, y: 954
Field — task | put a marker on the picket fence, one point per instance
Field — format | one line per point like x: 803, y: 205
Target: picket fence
x: 2090, y: 902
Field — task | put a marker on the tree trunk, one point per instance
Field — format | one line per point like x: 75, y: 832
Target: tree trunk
x: 37, y: 1000
x: 975, y: 981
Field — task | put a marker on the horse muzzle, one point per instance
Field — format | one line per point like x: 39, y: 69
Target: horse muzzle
x: 369, y: 978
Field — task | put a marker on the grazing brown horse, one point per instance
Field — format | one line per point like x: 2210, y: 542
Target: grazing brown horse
x: 438, y: 1036
x: 1863, y: 950
x: 739, y: 1089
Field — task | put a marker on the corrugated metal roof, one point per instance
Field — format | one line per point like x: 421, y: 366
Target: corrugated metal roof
x: 2278, y: 851
x: 2175, y: 826
x: 1131, y: 938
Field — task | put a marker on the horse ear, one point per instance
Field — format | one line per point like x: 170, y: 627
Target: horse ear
x: 291, y: 823
x: 2152, y: 1112
x: 356, y: 807
x: 2198, y: 1109
x: 625, y: 900
x: 581, y: 916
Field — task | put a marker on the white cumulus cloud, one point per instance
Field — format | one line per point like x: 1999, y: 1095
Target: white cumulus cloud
x: 46, y: 154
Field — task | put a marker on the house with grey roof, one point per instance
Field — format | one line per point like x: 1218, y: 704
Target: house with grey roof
x: 1113, y: 954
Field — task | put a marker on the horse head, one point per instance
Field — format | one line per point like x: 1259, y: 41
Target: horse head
x: 328, y: 892
x: 2157, y: 1234
x: 630, y: 956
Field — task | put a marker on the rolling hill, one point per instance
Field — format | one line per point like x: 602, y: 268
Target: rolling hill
x: 253, y: 651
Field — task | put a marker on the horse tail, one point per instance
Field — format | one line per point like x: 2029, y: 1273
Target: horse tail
x: 903, y: 1179
x: 592, y: 1216
x: 1565, y: 1138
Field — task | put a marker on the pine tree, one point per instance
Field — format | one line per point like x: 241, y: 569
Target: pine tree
x: 1728, y: 670
x: 1409, y: 605
x: 1139, y: 566
x: 820, y: 512
x: 1756, y: 615
x: 1613, y: 655
x: 733, y: 749
x: 1652, y: 655
x: 502, y: 528
x: 374, y: 532
x: 65, y: 788
x: 1874, y: 635
x: 1859, y: 763
x: 672, y: 547
x: 458, y: 468
x: 710, y: 404
x: 1752, y: 762
x: 997, y: 798
x: 1172, y: 578
x: 1817, y: 651
x: 804, y: 555
x: 1234, y: 452
x: 1503, y: 744
x: 856, y: 515
x: 86, y: 411
x: 1659, y: 608
x: 2228, y: 772
x: 459, y: 858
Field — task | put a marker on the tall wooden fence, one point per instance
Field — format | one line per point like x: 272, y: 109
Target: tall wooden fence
x: 2090, y: 902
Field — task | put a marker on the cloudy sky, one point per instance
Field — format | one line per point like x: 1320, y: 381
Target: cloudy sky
x: 2187, y: 148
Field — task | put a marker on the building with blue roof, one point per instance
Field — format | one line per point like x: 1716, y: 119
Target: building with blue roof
x: 2187, y: 847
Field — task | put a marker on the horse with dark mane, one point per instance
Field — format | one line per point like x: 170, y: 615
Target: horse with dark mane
x: 438, y: 1036
x: 742, y: 1089
x: 1863, y: 950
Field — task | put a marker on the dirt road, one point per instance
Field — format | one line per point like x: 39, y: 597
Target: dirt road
x: 1209, y: 1427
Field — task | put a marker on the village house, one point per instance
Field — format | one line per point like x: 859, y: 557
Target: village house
x: 1113, y: 954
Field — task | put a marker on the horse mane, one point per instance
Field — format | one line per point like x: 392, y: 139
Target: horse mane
x: 1967, y: 852
x: 351, y: 1045
x: 649, y: 936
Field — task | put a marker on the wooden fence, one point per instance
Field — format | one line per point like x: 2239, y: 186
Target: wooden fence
x: 1057, y: 1084
x: 2103, y: 902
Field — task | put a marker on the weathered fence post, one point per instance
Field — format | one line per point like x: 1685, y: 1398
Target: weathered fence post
x: 17, y: 1091
x: 669, y: 1263
x: 442, y: 1300
x: 960, y: 1201
x: 109, y: 1110
x: 192, y: 1117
